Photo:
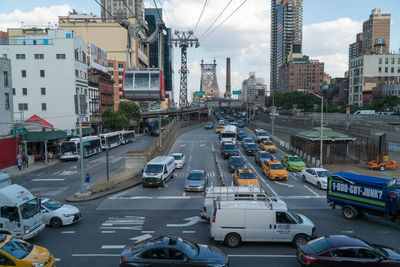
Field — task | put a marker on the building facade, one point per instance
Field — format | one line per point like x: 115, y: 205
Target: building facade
x: 48, y: 68
x: 6, y: 97
x: 356, y: 48
x: 286, y: 30
x: 121, y: 9
x: 254, y: 89
x: 336, y: 92
x: 105, y: 87
x: 367, y: 72
x: 376, y: 27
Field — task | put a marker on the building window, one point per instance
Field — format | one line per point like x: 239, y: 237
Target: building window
x: 386, y: 69
x: 24, y: 91
x: 23, y: 73
x: 23, y: 106
x: 44, y: 107
x: 85, y: 91
x: 398, y: 70
x: 110, y: 65
x: 392, y: 60
x: 20, y: 56
x: 380, y: 60
x: 379, y: 69
x: 39, y: 56
x: 43, y: 91
x: 7, y: 101
x: 42, y: 73
x: 386, y: 60
x: 120, y: 81
x: 5, y: 77
x: 398, y: 61
x: 5, y: 55
x: 121, y: 66
x: 60, y: 56
x: 13, y: 91
x: 392, y: 70
x: 76, y: 73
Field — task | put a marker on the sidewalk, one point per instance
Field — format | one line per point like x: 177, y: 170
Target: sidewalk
x: 15, y: 172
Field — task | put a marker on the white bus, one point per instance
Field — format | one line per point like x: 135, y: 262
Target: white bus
x: 127, y: 136
x: 228, y: 134
x: 70, y: 149
x: 110, y: 140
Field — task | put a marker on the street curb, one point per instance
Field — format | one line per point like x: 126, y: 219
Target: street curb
x: 219, y: 170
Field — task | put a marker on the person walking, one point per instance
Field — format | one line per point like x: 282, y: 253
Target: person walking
x: 19, y: 161
x: 23, y: 161
x: 26, y: 161
x: 87, y: 181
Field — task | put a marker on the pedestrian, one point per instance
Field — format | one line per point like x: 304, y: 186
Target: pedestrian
x: 87, y: 181
x: 23, y: 161
x: 19, y: 161
x: 26, y: 161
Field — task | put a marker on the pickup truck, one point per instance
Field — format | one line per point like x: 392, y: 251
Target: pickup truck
x: 358, y: 194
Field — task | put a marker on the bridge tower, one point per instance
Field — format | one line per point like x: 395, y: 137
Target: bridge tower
x: 208, y: 81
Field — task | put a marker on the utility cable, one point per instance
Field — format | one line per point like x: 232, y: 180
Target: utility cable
x: 158, y: 11
x: 212, y: 24
x: 107, y: 11
x: 165, y: 13
x: 224, y: 20
x: 201, y: 14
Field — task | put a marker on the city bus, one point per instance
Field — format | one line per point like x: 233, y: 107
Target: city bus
x: 110, y: 140
x: 127, y: 136
x: 70, y: 149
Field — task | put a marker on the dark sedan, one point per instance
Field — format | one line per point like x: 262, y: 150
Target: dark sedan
x: 247, y: 140
x: 342, y: 250
x: 241, y: 135
x: 261, y: 156
x: 167, y: 251
x: 251, y: 149
x: 235, y: 163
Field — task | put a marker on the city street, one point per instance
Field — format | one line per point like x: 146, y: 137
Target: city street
x: 110, y: 223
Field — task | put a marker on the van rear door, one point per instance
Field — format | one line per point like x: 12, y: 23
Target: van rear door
x: 259, y: 225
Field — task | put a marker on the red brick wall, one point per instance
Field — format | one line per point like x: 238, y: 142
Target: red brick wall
x: 8, y: 152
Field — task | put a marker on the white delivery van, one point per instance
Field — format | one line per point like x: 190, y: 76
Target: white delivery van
x: 228, y: 134
x: 20, y: 213
x: 234, y: 222
x: 237, y: 193
x: 364, y: 112
x: 158, y: 171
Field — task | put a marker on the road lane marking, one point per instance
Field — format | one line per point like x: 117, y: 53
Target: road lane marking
x: 262, y: 256
x: 96, y: 255
x: 107, y: 232
x: 348, y: 232
x: 182, y: 145
x: 48, y: 180
x: 300, y: 197
x: 112, y: 246
x: 148, y: 232
x: 123, y: 227
x: 68, y: 232
x: 292, y: 175
x: 140, y: 238
x: 191, y: 221
x: 188, y: 232
x: 312, y: 191
x: 289, y: 185
x: 57, y: 259
x: 212, y: 146
x: 202, y: 144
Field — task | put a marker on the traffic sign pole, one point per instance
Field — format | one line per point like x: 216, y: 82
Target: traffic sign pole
x: 83, y: 186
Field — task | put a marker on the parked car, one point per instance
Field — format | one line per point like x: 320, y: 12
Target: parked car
x: 180, y: 160
x: 236, y: 162
x: 196, y: 181
x: 246, y: 141
x: 261, y: 156
x: 17, y: 252
x: 241, y: 135
x: 208, y: 125
x: 251, y: 149
x: 57, y: 214
x: 245, y: 177
x: 316, y: 176
x: 171, y: 251
x: 343, y: 250
x: 293, y: 163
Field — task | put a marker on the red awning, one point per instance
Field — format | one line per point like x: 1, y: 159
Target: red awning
x: 36, y: 119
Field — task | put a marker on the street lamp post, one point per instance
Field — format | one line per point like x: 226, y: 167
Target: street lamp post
x: 321, y: 128
x: 273, y: 114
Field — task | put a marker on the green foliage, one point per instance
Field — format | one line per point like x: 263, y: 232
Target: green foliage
x: 130, y: 110
x: 121, y: 119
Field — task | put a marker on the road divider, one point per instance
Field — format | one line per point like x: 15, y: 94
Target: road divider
x: 219, y: 170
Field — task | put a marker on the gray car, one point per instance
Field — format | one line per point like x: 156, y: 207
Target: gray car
x: 196, y: 181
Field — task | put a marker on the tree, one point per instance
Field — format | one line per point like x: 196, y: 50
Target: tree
x: 114, y: 120
x: 130, y: 110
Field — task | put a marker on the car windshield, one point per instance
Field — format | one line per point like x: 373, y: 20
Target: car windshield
x: 295, y: 159
x: 268, y: 144
x: 295, y: 216
x: 262, y: 134
x: 52, y: 205
x: 379, y: 249
x: 230, y: 147
x: 319, y: 245
x: 277, y: 167
x: 252, y: 146
x: 30, y: 208
x: 17, y: 248
x: 323, y: 173
x: 242, y: 134
x: 228, y: 135
x: 266, y: 155
x: 247, y: 175
x: 190, y: 249
x: 237, y: 160
x: 154, y: 168
x: 196, y: 176
x: 177, y: 157
x: 68, y: 147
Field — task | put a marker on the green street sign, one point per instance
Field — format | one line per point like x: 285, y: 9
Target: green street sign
x: 86, y: 143
x: 18, y: 131
x: 236, y: 92
x: 200, y: 93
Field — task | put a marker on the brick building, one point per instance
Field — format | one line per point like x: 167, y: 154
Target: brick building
x: 105, y: 85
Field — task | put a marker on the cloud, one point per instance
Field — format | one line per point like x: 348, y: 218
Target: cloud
x: 37, y: 17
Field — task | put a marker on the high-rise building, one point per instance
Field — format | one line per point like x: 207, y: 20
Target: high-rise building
x: 376, y: 27
x: 286, y: 30
x: 356, y: 48
x: 253, y: 89
x: 118, y: 8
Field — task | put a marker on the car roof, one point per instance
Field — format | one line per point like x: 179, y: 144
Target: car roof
x: 251, y: 205
x: 265, y: 153
x: 177, y: 154
x: 197, y: 171
x: 274, y: 161
x: 318, y: 169
x: 245, y: 171
x: 234, y: 157
x: 345, y: 240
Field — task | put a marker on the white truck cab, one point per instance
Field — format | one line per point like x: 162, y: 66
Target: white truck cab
x: 158, y: 171
x: 228, y: 134
x: 234, y: 222
x: 20, y: 213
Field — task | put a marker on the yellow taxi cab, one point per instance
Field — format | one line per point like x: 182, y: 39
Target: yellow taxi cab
x: 246, y: 177
x: 221, y: 123
x: 268, y: 146
x: 17, y: 252
x: 274, y: 170
x: 219, y: 129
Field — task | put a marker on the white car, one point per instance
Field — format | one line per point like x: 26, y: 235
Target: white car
x: 57, y: 214
x: 180, y: 160
x: 316, y: 176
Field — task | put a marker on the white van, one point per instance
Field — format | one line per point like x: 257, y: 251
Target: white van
x: 20, y: 214
x: 234, y: 222
x: 232, y: 193
x: 364, y: 112
x: 158, y: 171
x: 228, y: 134
x: 5, y: 179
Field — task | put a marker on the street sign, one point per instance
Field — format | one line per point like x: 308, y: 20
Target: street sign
x: 236, y: 92
x: 18, y: 131
x: 86, y: 143
x: 200, y: 92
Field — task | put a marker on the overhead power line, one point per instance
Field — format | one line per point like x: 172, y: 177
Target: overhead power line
x: 158, y: 11
x: 224, y: 20
x: 212, y: 24
x: 107, y: 11
x: 201, y: 14
x: 165, y: 13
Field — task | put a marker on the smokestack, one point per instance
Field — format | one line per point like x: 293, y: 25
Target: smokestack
x: 228, y: 78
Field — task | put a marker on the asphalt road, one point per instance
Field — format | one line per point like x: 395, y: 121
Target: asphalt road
x: 110, y: 223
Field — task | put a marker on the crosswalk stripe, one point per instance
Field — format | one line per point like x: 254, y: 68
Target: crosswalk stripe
x: 112, y: 246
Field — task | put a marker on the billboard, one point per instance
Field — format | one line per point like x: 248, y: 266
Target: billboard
x: 98, y: 57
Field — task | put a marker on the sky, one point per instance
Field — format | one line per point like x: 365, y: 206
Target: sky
x: 329, y: 26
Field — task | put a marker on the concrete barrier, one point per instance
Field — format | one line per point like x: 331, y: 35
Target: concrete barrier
x: 313, y: 161
x: 301, y: 154
x: 317, y: 163
x: 308, y: 158
x: 219, y: 170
